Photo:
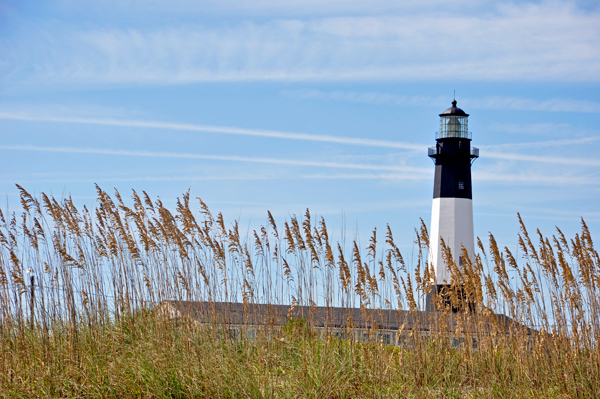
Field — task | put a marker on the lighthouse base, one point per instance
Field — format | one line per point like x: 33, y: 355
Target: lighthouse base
x: 444, y: 297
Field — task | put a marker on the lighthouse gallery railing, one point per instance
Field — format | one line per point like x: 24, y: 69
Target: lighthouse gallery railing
x: 434, y: 151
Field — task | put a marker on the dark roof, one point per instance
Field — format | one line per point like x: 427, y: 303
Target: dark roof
x: 454, y: 111
x: 335, y: 317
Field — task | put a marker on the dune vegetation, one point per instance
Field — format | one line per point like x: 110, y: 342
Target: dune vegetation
x: 80, y: 288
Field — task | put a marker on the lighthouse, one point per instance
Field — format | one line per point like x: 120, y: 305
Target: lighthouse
x: 452, y: 210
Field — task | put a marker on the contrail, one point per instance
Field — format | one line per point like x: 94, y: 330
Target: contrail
x: 538, y: 144
x: 536, y: 178
x: 536, y: 158
x: 235, y: 158
x: 513, y: 178
x: 218, y: 129
x: 286, y: 135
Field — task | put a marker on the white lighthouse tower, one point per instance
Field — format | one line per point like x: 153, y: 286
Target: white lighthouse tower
x: 452, y: 211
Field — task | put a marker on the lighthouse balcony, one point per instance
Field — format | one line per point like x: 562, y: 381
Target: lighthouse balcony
x: 433, y: 151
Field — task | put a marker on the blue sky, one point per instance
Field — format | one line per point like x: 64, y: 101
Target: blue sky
x: 328, y: 105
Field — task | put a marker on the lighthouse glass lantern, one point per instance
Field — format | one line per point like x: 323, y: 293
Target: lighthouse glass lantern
x: 452, y: 210
x: 453, y: 126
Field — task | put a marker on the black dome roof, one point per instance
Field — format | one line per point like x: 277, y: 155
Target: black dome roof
x: 454, y: 111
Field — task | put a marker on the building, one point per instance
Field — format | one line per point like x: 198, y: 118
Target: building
x: 396, y: 327
x: 452, y: 210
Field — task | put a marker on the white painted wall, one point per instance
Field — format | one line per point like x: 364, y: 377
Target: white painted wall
x: 452, y: 220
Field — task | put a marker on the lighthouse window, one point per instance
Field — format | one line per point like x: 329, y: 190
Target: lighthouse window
x: 461, y: 185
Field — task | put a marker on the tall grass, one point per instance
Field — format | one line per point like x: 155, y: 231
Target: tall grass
x: 88, y: 326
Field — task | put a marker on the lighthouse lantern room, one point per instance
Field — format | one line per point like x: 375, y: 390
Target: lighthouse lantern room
x: 452, y: 210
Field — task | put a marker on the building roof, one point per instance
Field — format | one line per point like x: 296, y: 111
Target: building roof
x: 454, y: 111
x: 330, y: 317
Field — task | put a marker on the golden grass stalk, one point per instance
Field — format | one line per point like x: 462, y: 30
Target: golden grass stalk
x: 91, y: 328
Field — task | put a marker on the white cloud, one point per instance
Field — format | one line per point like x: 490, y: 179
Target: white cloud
x: 135, y: 178
x: 496, y: 102
x: 367, y: 176
x: 367, y: 97
x: 540, y: 179
x: 528, y: 104
x: 229, y: 158
x: 214, y: 129
x: 540, y: 144
x: 281, y: 135
x: 533, y: 128
x: 543, y: 159
x: 398, y: 173
x: 531, y: 178
x: 267, y: 7
x: 549, y: 41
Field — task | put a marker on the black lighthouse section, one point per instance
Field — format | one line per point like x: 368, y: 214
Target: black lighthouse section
x: 453, y: 155
x: 452, y: 158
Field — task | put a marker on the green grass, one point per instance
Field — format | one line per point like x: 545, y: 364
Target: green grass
x: 159, y: 359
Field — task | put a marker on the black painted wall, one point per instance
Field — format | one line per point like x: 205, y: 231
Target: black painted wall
x: 452, y: 168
